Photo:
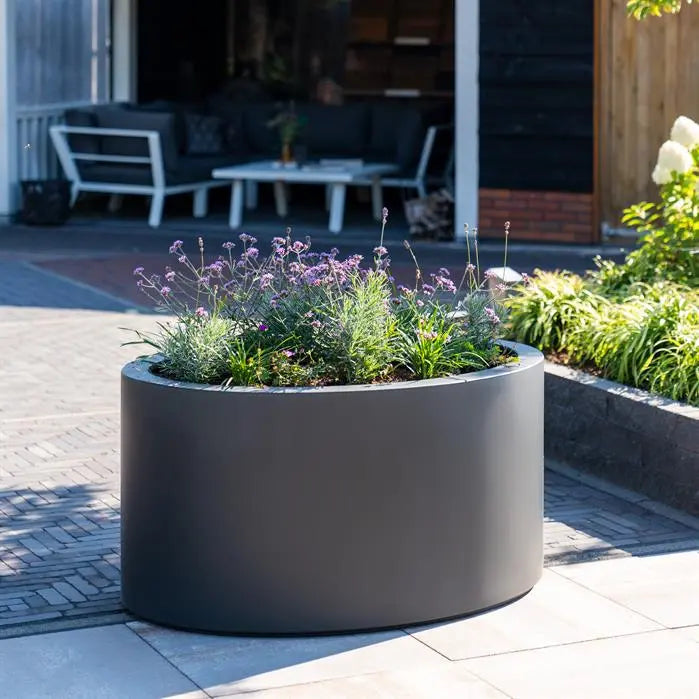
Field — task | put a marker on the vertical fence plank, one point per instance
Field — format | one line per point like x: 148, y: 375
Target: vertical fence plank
x: 649, y: 73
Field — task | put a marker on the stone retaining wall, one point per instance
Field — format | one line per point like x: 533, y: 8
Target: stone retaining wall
x: 625, y: 435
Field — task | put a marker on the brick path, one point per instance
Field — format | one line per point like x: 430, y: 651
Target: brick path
x: 59, y: 484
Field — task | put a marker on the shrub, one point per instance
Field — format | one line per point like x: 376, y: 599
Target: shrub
x: 669, y: 248
x: 299, y: 318
x: 648, y: 339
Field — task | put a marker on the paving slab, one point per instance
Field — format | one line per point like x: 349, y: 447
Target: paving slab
x: 227, y: 665
x: 663, y: 588
x: 97, y: 663
x: 556, y: 611
x: 654, y: 665
x: 453, y: 682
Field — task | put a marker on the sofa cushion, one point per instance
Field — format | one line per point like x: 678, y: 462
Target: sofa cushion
x: 82, y: 143
x: 164, y: 124
x: 397, y: 133
x: 338, y: 130
x: 191, y: 169
x: 204, y: 135
x: 167, y: 107
x: 231, y: 114
x: 260, y: 137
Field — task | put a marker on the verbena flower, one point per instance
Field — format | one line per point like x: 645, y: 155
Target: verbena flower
x: 138, y: 270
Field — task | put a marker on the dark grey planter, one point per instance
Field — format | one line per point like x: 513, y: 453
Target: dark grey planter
x: 331, y: 509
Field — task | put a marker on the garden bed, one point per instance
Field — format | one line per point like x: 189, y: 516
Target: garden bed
x: 628, y: 436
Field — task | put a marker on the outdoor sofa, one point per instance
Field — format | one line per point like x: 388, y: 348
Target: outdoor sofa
x: 166, y: 148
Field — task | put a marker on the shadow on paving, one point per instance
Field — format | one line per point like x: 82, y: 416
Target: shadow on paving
x: 59, y: 553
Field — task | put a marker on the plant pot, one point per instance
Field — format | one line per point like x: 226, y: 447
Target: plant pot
x: 45, y: 202
x: 331, y: 509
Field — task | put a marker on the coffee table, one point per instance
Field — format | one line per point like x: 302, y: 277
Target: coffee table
x: 336, y: 175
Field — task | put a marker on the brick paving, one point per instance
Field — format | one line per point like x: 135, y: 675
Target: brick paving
x: 59, y: 461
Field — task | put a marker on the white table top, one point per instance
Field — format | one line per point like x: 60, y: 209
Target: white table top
x: 273, y: 171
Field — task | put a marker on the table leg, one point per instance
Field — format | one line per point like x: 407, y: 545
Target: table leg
x: 236, y: 215
x: 280, y: 199
x: 377, y: 198
x: 250, y: 194
x: 337, y: 207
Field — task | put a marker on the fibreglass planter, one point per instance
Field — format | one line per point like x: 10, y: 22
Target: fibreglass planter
x: 331, y: 509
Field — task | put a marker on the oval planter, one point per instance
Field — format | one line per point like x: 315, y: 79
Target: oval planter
x: 331, y: 509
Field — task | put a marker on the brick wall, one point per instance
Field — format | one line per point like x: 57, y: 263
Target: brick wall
x: 542, y: 216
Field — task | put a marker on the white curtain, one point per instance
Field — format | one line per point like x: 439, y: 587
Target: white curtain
x: 63, y: 51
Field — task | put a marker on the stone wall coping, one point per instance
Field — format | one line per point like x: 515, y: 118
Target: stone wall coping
x: 622, y: 391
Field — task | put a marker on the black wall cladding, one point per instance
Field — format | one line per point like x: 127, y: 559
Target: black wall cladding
x: 536, y: 94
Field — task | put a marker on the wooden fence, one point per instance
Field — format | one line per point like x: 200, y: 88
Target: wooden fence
x: 647, y: 75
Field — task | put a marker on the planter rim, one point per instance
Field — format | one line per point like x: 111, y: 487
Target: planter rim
x: 139, y: 370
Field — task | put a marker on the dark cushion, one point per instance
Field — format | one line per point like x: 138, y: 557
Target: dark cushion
x: 231, y: 114
x: 164, y: 124
x: 82, y: 143
x: 204, y: 135
x: 260, y: 137
x: 338, y: 130
x: 167, y: 107
x: 397, y: 133
x: 190, y: 169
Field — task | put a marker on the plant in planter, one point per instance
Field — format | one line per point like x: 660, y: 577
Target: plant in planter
x: 289, y: 124
x: 349, y: 455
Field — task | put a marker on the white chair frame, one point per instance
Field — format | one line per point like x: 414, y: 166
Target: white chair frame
x: 421, y: 180
x: 157, y: 191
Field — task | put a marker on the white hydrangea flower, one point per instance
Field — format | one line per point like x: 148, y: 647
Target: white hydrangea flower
x: 685, y: 131
x: 661, y: 175
x: 672, y: 157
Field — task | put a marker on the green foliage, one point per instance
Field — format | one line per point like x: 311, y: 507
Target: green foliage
x: 669, y: 245
x: 194, y: 349
x: 648, y: 338
x: 546, y: 311
x: 640, y: 9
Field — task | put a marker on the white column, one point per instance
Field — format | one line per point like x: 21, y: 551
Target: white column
x: 466, y: 118
x: 8, y: 120
x: 124, y: 55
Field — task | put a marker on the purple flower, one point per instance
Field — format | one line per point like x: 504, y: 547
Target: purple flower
x: 298, y: 247
x: 492, y: 316
x: 334, y: 252
x: 139, y: 283
x: 288, y: 353
x: 489, y: 274
x: 245, y: 238
x: 427, y: 335
x: 266, y: 280
x: 137, y: 271
x: 470, y: 267
x: 384, y: 215
x: 278, y: 241
x: 228, y: 245
x: 262, y: 327
x: 251, y: 253
x: 176, y: 246
x: 165, y: 291
x: 419, y: 303
x: 444, y: 272
x: 445, y: 283
x: 182, y: 258
x: 316, y: 324
x: 428, y: 289
x: 170, y: 276
x: 526, y: 278
x: 380, y: 251
x: 201, y: 312
x: 204, y: 281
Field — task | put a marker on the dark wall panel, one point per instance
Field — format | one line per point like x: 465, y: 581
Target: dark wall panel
x: 536, y: 94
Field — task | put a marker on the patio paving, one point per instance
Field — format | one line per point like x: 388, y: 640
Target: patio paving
x: 59, y: 462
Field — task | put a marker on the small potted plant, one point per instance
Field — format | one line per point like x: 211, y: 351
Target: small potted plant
x: 289, y: 124
x: 314, y: 449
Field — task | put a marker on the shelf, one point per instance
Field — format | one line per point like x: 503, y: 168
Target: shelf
x: 415, y: 42
x: 401, y: 93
